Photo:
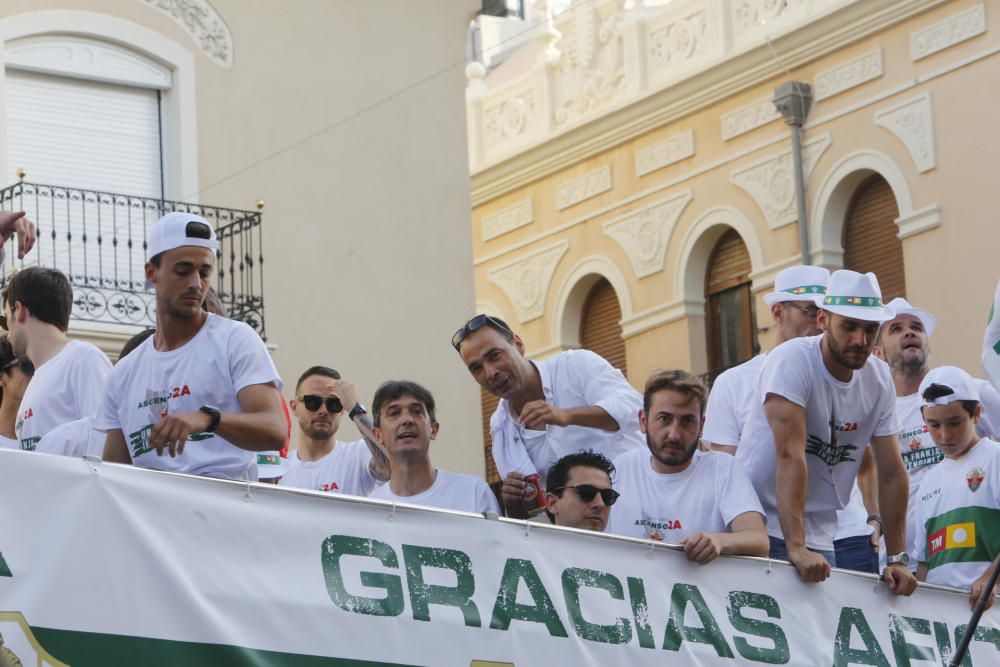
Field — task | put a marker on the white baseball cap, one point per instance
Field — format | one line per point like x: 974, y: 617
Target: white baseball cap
x: 901, y: 306
x: 798, y: 283
x: 175, y: 230
x: 961, y: 384
x: 855, y: 295
x: 271, y: 465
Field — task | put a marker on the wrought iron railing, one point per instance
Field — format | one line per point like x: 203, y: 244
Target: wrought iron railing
x: 98, y: 239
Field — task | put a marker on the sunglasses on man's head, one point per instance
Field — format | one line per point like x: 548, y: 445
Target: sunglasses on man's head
x: 475, y: 324
x: 313, y: 402
x: 588, y: 491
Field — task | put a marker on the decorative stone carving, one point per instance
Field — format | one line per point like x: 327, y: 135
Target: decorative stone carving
x: 643, y: 234
x: 77, y: 57
x: 953, y: 30
x: 771, y: 181
x: 583, y: 188
x: 862, y: 69
x: 671, y: 40
x: 526, y: 281
x: 664, y: 153
x: 912, y: 121
x: 204, y: 25
x: 512, y: 116
x: 591, y: 70
x: 749, y: 14
x: 749, y: 117
x: 501, y: 222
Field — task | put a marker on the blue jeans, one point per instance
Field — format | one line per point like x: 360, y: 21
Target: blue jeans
x: 856, y: 553
x: 779, y: 551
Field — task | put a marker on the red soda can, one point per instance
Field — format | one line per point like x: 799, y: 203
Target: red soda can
x: 534, y: 493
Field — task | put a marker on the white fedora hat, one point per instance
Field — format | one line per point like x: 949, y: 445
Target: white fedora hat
x: 855, y: 295
x: 270, y: 465
x: 901, y: 306
x: 798, y: 283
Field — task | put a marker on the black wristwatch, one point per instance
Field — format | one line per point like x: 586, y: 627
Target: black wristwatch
x: 358, y: 409
x: 215, y: 414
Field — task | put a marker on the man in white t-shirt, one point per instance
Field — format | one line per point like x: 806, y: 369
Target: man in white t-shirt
x: 201, y: 395
x: 405, y: 424
x: 578, y: 491
x: 958, y: 508
x: 904, y: 344
x: 823, y: 401
x: 321, y: 462
x: 69, y: 374
x: 672, y: 492
x: 567, y: 403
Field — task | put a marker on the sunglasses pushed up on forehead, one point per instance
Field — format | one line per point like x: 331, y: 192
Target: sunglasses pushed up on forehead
x: 475, y: 324
x: 313, y: 403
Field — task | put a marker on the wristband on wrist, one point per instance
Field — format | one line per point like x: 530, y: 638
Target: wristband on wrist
x: 877, y: 518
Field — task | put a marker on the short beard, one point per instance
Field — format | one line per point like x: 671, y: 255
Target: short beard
x: 319, y: 434
x: 838, y: 355
x: 672, y: 461
x: 910, y: 367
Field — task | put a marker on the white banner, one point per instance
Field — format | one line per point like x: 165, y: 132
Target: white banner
x: 108, y: 565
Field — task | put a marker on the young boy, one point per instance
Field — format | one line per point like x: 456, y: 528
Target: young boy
x: 958, y: 504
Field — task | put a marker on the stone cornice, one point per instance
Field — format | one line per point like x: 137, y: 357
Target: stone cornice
x: 700, y: 88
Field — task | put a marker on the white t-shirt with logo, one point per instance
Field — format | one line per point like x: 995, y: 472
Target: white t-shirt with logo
x: 711, y: 492
x: 9, y: 443
x: 958, y: 516
x: 77, y: 438
x: 346, y: 469
x: 450, y: 491
x: 841, y: 419
x: 852, y: 521
x: 224, y: 357
x: 730, y: 401
x: 67, y: 387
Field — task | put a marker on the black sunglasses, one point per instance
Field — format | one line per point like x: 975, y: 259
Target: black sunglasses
x: 475, y: 324
x: 312, y: 403
x: 588, y: 491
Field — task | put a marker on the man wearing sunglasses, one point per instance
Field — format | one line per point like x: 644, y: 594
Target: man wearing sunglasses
x: 201, y: 395
x: 321, y: 462
x: 579, y: 493
x: 69, y: 374
x: 567, y: 403
x: 678, y: 494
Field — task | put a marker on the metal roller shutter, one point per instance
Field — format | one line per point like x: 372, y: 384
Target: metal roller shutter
x: 730, y: 318
x: 729, y: 264
x: 870, y: 241
x: 600, y: 330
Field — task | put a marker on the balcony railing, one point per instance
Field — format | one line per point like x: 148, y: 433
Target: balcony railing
x: 98, y: 239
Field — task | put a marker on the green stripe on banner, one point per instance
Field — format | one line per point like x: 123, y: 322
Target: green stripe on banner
x: 90, y: 649
x: 4, y: 568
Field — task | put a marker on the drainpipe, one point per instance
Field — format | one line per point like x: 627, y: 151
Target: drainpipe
x: 793, y: 101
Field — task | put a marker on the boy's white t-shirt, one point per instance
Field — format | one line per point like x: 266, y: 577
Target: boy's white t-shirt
x: 450, y: 491
x: 77, y: 438
x: 346, y: 469
x: 711, y: 492
x: 730, y: 402
x: 958, y: 516
x: 223, y: 358
x: 67, y: 387
x: 841, y: 420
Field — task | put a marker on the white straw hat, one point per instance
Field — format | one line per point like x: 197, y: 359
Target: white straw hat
x: 855, y: 295
x: 798, y: 283
x: 901, y: 306
x: 270, y: 465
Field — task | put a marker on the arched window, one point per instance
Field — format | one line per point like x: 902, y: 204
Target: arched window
x: 729, y: 314
x: 600, y: 330
x: 870, y: 241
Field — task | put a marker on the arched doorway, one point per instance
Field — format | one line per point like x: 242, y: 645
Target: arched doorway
x: 730, y: 322
x: 870, y: 236
x: 600, y: 330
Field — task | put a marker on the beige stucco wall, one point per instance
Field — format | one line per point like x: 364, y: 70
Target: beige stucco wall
x: 950, y: 268
x: 347, y: 119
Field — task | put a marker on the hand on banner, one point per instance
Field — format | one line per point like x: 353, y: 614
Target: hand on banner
x: 536, y: 415
x: 702, y: 547
x: 812, y: 566
x: 977, y: 590
x: 513, y: 493
x: 901, y: 581
x: 15, y: 222
x: 173, y: 430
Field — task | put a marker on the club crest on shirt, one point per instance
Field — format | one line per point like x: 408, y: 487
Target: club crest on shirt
x: 914, y: 444
x: 974, y: 478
